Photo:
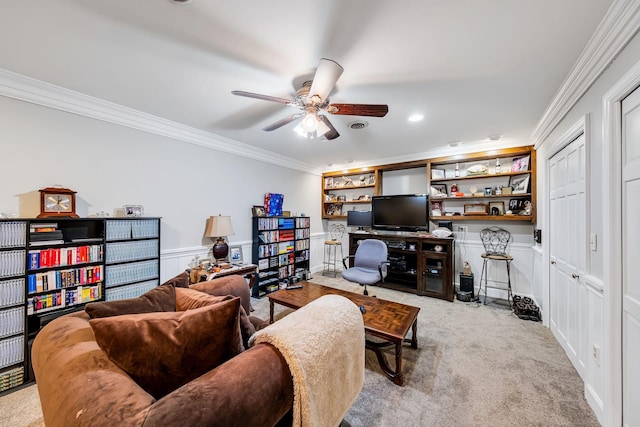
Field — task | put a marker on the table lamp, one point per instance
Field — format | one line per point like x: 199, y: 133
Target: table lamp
x: 218, y: 227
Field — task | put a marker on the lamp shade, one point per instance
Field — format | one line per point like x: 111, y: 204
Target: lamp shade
x: 219, y: 226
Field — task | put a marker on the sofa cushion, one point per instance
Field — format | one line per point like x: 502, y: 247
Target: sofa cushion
x: 162, y: 351
x: 161, y: 298
x: 187, y: 299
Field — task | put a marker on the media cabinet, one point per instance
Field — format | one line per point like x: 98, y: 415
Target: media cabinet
x: 422, y: 265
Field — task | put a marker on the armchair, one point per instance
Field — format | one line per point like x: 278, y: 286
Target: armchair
x: 369, y: 264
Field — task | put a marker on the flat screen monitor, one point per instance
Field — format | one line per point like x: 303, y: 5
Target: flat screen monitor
x: 360, y: 219
x: 406, y: 212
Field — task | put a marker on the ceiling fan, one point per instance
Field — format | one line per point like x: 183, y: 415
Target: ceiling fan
x: 313, y: 98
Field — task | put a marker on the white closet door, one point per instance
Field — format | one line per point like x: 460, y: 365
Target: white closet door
x: 631, y: 259
x: 567, y: 296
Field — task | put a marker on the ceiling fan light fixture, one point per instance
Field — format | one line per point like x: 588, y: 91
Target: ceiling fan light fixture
x: 309, y: 122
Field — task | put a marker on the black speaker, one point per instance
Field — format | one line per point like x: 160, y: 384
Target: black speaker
x: 466, y: 283
x: 446, y: 224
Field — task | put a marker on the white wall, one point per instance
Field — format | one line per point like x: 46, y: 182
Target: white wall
x: 111, y: 165
x: 593, y: 332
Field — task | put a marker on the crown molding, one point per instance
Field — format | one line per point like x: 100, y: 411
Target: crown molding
x: 619, y: 25
x: 17, y: 86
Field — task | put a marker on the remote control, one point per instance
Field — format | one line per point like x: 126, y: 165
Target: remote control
x: 294, y: 287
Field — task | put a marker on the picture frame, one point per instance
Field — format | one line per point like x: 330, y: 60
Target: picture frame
x: 436, y: 207
x: 519, y: 184
x: 328, y: 182
x: 516, y: 206
x: 235, y: 255
x: 496, y: 208
x: 342, y: 198
x: 372, y: 179
x: 438, y: 190
x: 334, y: 210
x: 258, y: 210
x: 520, y: 163
x: 133, y: 210
x: 475, y: 209
x: 437, y: 173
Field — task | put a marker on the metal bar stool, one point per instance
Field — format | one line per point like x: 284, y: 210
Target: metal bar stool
x: 496, y: 243
x: 331, y: 259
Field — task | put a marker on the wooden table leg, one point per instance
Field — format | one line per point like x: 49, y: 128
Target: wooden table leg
x: 271, y: 303
x: 398, y: 378
x: 414, y: 338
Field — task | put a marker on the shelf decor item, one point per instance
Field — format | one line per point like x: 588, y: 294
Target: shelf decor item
x: 519, y: 184
x: 218, y: 227
x: 133, y: 210
x: 437, y: 173
x: 519, y: 164
x: 438, y: 190
x: 273, y: 203
x: 496, y: 208
x: 258, y: 210
x: 477, y: 169
x: 475, y: 209
x: 57, y: 202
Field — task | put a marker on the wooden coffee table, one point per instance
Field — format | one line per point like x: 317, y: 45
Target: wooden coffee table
x: 384, y: 319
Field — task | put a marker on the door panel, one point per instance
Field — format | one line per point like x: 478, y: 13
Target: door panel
x: 566, y: 245
x: 630, y: 256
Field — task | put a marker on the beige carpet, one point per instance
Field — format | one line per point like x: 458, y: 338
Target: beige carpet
x: 475, y: 366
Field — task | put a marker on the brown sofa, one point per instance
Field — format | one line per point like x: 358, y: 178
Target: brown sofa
x: 80, y: 385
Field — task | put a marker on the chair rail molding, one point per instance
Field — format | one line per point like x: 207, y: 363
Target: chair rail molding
x: 23, y: 88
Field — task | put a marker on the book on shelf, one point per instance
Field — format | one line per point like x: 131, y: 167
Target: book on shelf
x: 47, y: 242
x: 45, y: 235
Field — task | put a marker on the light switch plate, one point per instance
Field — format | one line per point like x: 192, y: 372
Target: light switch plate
x: 593, y: 242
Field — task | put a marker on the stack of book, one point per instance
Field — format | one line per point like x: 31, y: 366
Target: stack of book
x: 45, y: 234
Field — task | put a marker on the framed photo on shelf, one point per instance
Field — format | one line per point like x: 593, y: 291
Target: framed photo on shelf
x: 334, y: 210
x: 133, y: 210
x: 437, y: 173
x: 438, y: 190
x: 258, y: 210
x: 519, y: 184
x: 235, y: 254
x: 328, y: 182
x: 436, y: 207
x: 496, y: 208
x: 372, y: 179
x: 520, y: 163
x: 475, y: 209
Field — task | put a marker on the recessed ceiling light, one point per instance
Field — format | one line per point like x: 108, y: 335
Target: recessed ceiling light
x: 416, y: 117
x: 495, y: 137
x: 454, y: 143
x: 358, y: 124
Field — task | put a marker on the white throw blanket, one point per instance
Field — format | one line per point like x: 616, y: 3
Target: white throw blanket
x: 323, y: 344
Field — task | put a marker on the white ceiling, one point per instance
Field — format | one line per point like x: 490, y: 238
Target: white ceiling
x: 472, y: 68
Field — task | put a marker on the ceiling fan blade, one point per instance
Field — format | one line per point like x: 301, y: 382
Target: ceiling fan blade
x: 263, y: 97
x: 325, y: 79
x: 332, y: 133
x: 372, y: 110
x: 282, y: 122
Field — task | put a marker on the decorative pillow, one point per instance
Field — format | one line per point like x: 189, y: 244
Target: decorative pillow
x: 161, y: 298
x: 163, y: 351
x: 180, y: 281
x: 188, y: 299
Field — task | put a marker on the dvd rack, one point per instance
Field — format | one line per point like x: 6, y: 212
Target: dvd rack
x: 51, y: 267
x: 280, y: 250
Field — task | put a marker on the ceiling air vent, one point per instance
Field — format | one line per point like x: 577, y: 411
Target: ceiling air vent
x: 358, y: 125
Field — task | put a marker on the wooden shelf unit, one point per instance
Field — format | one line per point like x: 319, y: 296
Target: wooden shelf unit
x: 490, y: 179
x: 338, y: 195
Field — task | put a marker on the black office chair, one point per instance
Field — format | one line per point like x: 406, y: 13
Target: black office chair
x: 369, y: 264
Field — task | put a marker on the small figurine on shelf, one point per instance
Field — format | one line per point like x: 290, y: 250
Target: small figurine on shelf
x: 498, y: 166
x: 457, y: 172
x: 467, y: 269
